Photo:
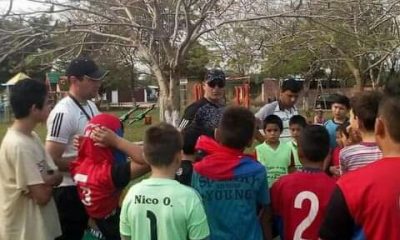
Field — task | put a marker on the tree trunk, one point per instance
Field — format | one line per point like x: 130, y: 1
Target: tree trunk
x: 356, y: 74
x: 169, y: 97
x: 132, y: 85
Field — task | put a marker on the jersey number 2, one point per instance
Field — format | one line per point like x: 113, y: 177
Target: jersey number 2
x: 298, y: 202
x: 153, y: 224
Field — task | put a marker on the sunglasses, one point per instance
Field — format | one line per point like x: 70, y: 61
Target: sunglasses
x: 216, y: 82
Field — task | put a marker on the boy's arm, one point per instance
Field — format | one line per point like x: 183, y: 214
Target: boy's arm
x: 292, y: 165
x: 40, y: 193
x: 266, y: 222
x: 125, y: 237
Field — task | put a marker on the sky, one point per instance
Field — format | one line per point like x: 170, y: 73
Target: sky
x: 19, y: 6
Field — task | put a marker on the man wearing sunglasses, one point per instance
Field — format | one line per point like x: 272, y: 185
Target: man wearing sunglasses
x: 204, y: 114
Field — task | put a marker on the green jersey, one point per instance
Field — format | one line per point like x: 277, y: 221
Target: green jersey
x: 276, y: 161
x: 159, y: 208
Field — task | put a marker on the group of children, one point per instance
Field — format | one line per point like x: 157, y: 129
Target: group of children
x: 284, y: 189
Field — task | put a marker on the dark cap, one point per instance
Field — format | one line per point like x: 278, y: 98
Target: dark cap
x: 214, y: 74
x: 84, y: 66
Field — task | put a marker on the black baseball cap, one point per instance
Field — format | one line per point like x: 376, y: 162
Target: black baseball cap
x: 84, y: 66
x: 215, y: 74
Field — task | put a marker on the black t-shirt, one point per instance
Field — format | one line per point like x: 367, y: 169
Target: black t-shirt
x: 202, y: 115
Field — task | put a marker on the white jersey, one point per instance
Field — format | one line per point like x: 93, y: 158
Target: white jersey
x: 64, y: 122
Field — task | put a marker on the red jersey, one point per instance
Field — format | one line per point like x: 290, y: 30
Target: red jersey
x: 372, y: 195
x: 299, y: 202
x: 92, y: 171
x: 335, y: 156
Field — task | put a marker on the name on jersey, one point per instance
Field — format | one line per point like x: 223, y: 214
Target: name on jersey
x: 142, y: 199
x: 240, y: 188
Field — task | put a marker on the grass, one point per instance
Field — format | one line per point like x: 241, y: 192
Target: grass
x: 133, y: 132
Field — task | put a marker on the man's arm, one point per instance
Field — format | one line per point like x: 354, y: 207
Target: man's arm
x: 52, y: 178
x: 56, y: 151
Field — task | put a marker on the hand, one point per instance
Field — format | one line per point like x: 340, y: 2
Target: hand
x: 335, y: 171
x: 103, y: 136
x: 54, y: 179
x: 77, y: 140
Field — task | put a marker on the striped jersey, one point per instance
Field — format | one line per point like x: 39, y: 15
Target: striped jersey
x: 358, y: 155
x: 64, y: 122
x: 284, y: 114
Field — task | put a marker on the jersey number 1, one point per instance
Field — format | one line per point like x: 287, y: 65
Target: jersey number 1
x: 298, y: 202
x: 153, y: 224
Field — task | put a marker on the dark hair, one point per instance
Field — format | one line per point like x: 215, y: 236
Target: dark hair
x: 392, y: 88
x: 299, y: 120
x: 342, y: 129
x: 236, y: 127
x: 25, y: 94
x: 273, y: 119
x: 365, y: 106
x: 291, y: 85
x: 314, y: 142
x: 190, y: 136
x: 161, y: 143
x: 341, y: 99
x: 389, y: 110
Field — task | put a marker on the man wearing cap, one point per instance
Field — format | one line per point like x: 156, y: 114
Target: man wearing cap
x: 205, y: 113
x: 67, y: 119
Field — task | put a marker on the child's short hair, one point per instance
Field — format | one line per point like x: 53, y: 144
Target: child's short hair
x: 314, y: 142
x: 341, y: 99
x: 342, y: 129
x: 273, y: 119
x: 365, y: 107
x: 389, y: 110
x: 291, y: 85
x: 299, y: 120
x: 25, y: 94
x: 236, y: 127
x: 161, y: 144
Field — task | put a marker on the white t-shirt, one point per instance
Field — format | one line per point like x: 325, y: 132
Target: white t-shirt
x: 22, y: 159
x: 283, y: 114
x: 64, y: 122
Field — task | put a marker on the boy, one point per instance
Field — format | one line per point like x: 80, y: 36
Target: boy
x: 364, y: 109
x: 101, y: 172
x: 365, y: 202
x: 27, y: 173
x: 160, y: 207
x: 233, y: 185
x: 299, y: 200
x: 340, y: 107
x: 296, y: 124
x: 274, y: 155
x: 342, y: 140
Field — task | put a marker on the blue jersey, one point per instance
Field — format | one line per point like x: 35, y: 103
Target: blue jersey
x: 331, y: 126
x: 232, y: 186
